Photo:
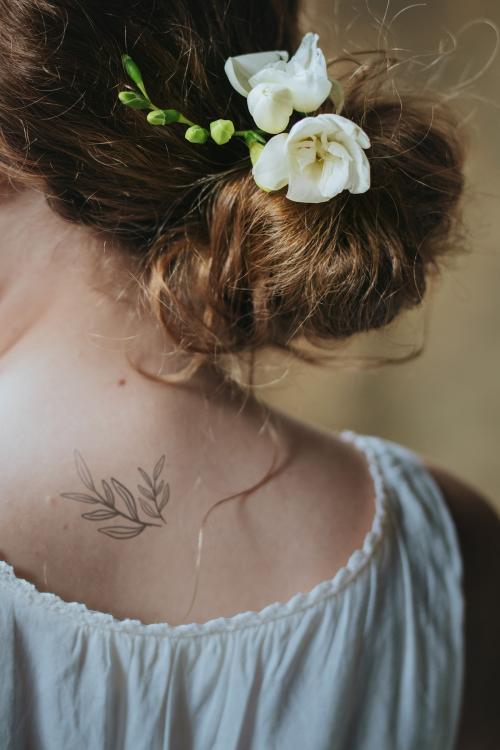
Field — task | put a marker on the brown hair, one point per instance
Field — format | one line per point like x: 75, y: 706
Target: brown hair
x: 226, y: 268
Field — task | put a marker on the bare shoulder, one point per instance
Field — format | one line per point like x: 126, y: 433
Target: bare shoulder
x: 478, y: 528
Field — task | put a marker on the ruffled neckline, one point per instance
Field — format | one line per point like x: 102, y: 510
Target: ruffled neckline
x: 299, y: 602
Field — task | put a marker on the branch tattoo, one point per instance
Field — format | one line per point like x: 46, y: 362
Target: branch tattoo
x: 152, y: 498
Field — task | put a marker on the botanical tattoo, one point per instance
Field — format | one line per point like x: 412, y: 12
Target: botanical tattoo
x: 152, y: 498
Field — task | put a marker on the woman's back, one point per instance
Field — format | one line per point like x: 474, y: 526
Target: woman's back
x: 89, y: 419
x: 289, y: 534
x: 383, y: 628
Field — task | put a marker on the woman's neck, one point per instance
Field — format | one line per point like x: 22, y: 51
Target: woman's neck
x: 67, y: 295
x: 66, y: 348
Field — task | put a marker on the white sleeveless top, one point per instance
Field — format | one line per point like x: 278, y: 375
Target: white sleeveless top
x: 370, y: 659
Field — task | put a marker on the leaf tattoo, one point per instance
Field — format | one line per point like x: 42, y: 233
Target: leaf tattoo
x: 158, y: 468
x: 83, y: 471
x: 151, y: 504
x: 145, y: 476
x: 165, y: 497
x: 110, y: 498
x: 147, y: 508
x: 80, y: 497
x: 99, y: 515
x: 146, y: 492
x: 127, y: 497
x: 121, y: 532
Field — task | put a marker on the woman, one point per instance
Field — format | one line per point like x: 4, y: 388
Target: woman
x: 336, y: 595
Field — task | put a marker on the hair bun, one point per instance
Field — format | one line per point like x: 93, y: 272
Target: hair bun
x: 228, y: 268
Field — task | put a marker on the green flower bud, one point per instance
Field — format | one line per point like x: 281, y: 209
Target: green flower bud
x: 133, y: 72
x: 196, y: 134
x: 162, y: 116
x: 132, y: 99
x: 255, y: 149
x: 221, y: 131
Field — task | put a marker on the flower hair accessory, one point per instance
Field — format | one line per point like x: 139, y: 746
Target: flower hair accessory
x: 318, y: 158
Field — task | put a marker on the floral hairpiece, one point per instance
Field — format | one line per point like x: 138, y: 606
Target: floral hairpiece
x: 318, y: 158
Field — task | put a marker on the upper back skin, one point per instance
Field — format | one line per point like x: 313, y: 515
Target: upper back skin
x: 295, y: 531
x: 290, y: 534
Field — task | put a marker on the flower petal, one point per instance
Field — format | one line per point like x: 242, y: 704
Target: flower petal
x: 303, y: 186
x: 305, y: 128
x: 242, y: 67
x: 309, y: 92
x: 270, y: 105
x: 360, y: 172
x: 305, y: 153
x: 309, y: 82
x: 306, y: 50
x: 275, y: 73
x: 340, y: 123
x: 335, y: 176
x: 270, y: 171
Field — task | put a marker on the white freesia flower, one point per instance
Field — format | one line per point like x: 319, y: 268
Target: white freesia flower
x: 305, y: 75
x: 263, y: 77
x: 320, y: 157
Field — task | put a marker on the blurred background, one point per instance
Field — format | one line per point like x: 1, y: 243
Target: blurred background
x: 445, y: 404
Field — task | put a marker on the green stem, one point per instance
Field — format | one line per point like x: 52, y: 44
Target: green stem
x: 251, y: 136
x: 244, y: 133
x: 185, y: 120
x: 146, y: 97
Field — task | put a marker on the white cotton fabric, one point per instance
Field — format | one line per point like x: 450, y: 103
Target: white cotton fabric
x: 371, y: 659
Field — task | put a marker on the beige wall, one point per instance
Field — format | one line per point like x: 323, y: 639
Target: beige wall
x: 446, y: 404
